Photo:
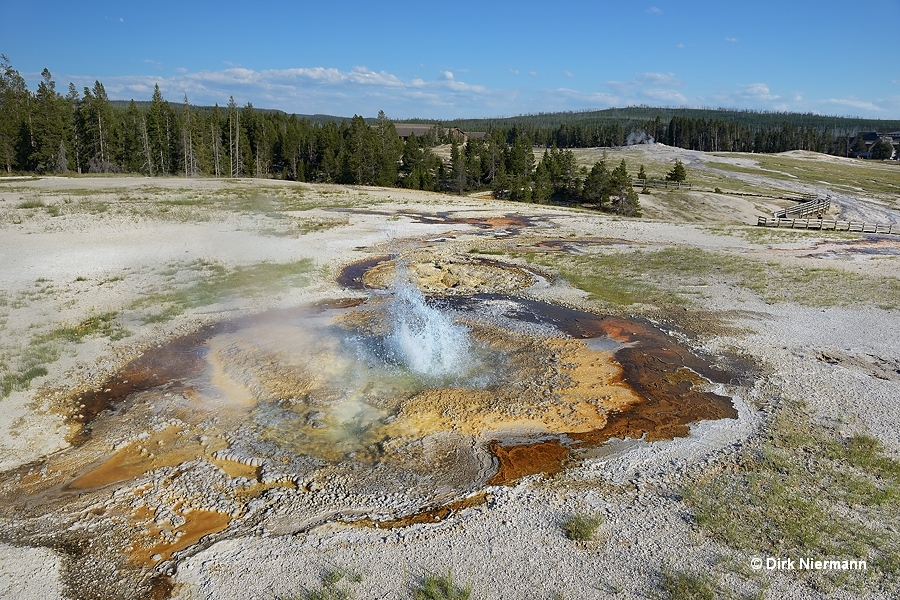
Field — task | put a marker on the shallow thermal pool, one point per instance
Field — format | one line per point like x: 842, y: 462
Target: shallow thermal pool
x: 352, y: 410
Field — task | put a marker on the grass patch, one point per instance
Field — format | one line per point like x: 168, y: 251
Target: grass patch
x: 663, y: 277
x: 105, y: 325
x: 21, y: 380
x: 93, y: 207
x: 676, y: 276
x: 682, y: 585
x: 808, y: 492
x: 441, y: 587
x: 332, y: 587
x: 305, y: 226
x: 581, y: 527
x: 31, y: 204
x: 210, y: 283
x: 868, y: 177
x: 774, y: 235
x: 19, y: 367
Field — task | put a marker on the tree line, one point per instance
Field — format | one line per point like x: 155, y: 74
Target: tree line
x: 84, y: 132
x: 710, y: 130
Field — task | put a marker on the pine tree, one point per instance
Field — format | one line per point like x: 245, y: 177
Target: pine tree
x: 388, y: 151
x: 472, y: 154
x: 596, y: 184
x: 359, y: 159
x: 189, y: 159
x: 678, y: 172
x: 48, y: 126
x: 519, y: 168
x: 14, y: 97
x: 75, y: 124
x: 624, y: 198
x: 215, y: 133
x: 255, y: 143
x: 161, y: 134
x: 881, y: 150
x: 457, y: 168
x: 543, y: 187
x: 134, y: 158
x: 97, y: 127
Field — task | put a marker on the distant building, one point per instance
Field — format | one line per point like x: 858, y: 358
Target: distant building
x: 404, y: 130
x: 854, y: 143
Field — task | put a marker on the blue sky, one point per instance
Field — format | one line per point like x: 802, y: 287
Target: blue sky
x: 470, y: 58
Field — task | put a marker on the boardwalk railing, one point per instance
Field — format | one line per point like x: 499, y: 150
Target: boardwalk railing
x: 830, y: 225
x: 817, y: 206
x: 662, y: 183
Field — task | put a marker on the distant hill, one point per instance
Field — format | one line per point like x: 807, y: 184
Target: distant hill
x: 630, y: 117
x: 637, y: 115
x: 317, y: 119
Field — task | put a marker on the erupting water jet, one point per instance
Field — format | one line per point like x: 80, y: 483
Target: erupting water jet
x: 423, y: 338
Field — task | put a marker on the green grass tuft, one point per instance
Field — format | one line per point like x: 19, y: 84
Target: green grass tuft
x: 681, y: 585
x: 32, y: 204
x: 331, y: 588
x: 581, y: 527
x: 441, y: 587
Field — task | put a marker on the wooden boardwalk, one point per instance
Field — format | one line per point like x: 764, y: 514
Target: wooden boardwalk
x: 830, y: 225
x: 814, y: 206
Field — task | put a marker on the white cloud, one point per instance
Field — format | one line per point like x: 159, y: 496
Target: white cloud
x: 576, y: 98
x: 309, y: 90
x: 853, y: 103
x: 532, y: 73
x: 679, y: 46
x: 758, y: 91
x: 568, y: 74
x: 731, y: 40
x: 658, y: 79
x: 514, y: 71
x: 666, y: 96
x: 448, y: 94
x: 654, y: 10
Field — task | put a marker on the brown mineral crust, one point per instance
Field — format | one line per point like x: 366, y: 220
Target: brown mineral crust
x: 547, y: 457
x: 352, y: 275
x: 672, y: 395
x: 427, y: 516
x: 156, y: 546
x: 174, y: 361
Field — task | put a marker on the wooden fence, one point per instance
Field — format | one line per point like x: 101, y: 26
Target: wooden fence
x: 662, y: 183
x: 816, y: 206
x: 830, y: 225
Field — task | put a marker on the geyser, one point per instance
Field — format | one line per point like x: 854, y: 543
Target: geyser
x: 424, y: 339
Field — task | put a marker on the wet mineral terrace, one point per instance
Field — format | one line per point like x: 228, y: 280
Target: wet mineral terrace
x: 294, y: 417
